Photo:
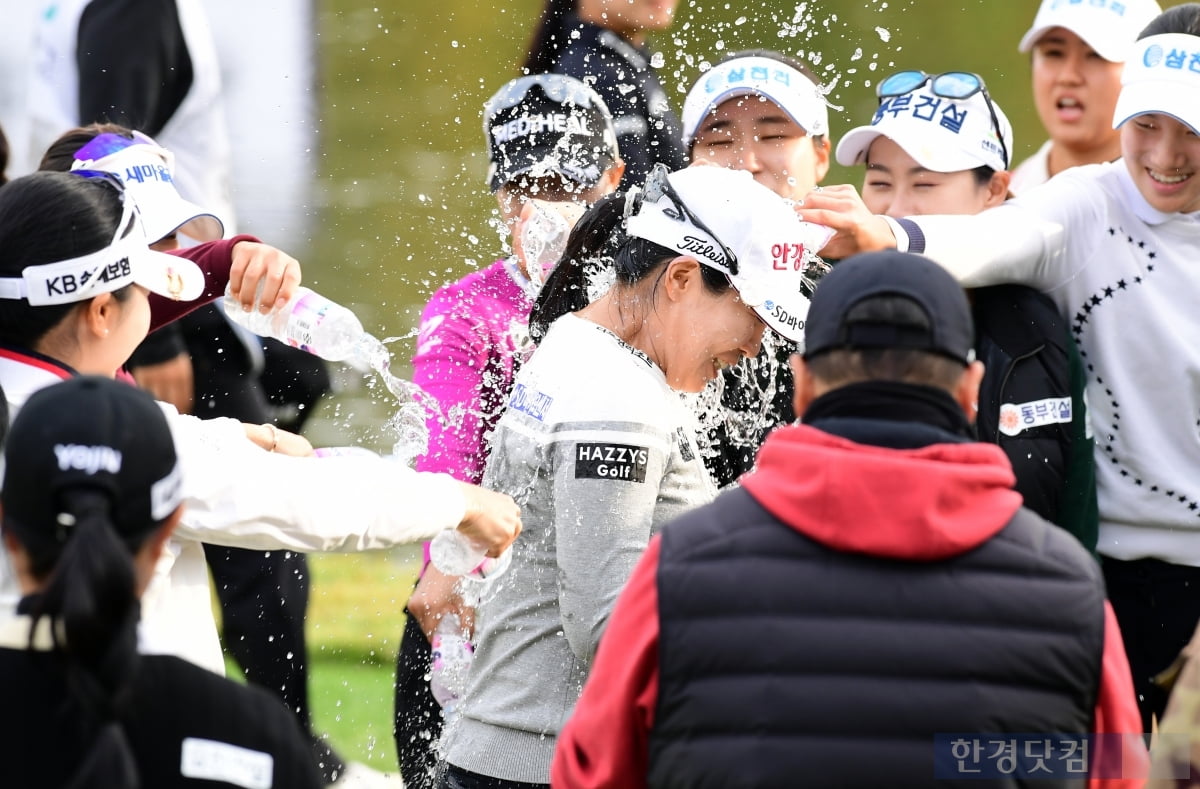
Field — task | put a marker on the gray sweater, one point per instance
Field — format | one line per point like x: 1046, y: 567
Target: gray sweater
x: 599, y: 452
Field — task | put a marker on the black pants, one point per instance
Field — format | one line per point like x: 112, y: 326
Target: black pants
x: 1157, y: 606
x: 263, y: 594
x: 457, y: 778
x: 418, y: 715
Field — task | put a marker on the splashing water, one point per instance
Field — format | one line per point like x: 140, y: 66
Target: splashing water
x: 407, y: 424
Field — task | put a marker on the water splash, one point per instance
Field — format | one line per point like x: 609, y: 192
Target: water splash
x: 408, y: 423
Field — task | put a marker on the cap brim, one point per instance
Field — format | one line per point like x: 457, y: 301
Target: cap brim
x: 585, y: 171
x: 781, y: 102
x: 1163, y: 98
x: 785, y: 315
x: 853, y: 148
x: 1111, y: 51
x: 171, y: 276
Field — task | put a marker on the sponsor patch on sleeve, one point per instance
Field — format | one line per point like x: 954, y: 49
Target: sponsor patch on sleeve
x: 1016, y: 418
x: 621, y: 462
x: 529, y: 401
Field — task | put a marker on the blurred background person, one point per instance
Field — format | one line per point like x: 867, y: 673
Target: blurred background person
x: 1077, y: 52
x: 603, y: 43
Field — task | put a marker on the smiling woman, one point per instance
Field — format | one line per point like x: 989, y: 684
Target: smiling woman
x: 1114, y: 246
x: 597, y: 445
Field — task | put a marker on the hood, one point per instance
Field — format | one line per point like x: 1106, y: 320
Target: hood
x: 918, y: 504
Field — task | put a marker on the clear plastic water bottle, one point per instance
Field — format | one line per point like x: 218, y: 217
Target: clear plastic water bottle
x: 451, y: 662
x: 453, y: 553
x: 309, y: 321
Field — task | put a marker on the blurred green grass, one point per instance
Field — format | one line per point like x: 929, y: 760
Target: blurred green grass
x: 355, y: 620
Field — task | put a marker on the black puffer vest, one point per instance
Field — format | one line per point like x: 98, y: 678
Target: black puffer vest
x: 785, y: 663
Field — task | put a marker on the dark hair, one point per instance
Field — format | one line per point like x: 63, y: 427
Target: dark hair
x: 61, y: 153
x: 597, y: 242
x: 549, y: 37
x: 1180, y: 19
x: 983, y: 175
x: 90, y: 599
x: 847, y: 366
x: 46, y: 217
x: 4, y: 152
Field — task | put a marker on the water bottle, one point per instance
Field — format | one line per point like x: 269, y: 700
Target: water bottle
x: 453, y: 553
x: 309, y: 321
x: 345, y: 451
x: 451, y: 662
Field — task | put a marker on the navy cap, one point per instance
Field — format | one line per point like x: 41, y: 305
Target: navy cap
x: 96, y: 433
x: 947, y: 329
x: 548, y: 124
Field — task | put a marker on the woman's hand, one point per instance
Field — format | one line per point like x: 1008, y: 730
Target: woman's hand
x: 840, y: 207
x: 435, y: 596
x: 279, y: 441
x: 492, y: 519
x: 259, y: 265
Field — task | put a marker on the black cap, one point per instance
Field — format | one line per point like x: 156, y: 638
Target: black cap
x: 95, y: 433
x: 947, y: 330
x: 548, y: 124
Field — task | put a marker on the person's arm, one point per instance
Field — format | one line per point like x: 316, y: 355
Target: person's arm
x: 241, y: 496
x: 1122, y: 760
x: 241, y: 262
x: 601, y: 523
x: 133, y: 63
x: 605, y: 742
x: 450, y: 364
x: 1024, y: 238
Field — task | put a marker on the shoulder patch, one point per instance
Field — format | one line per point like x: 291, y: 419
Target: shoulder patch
x: 1016, y: 418
x: 620, y: 462
x: 211, y: 760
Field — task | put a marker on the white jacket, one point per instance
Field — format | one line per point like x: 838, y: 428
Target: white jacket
x: 1127, y: 279
x: 236, y: 494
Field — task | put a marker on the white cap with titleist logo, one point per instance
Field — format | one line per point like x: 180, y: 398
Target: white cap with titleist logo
x: 1107, y: 26
x: 942, y: 135
x: 770, y: 243
x: 755, y: 75
x: 1162, y: 76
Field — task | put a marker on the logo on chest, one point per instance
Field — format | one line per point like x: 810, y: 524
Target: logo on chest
x: 621, y: 462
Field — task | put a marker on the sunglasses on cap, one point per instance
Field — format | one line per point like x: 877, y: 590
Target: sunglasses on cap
x: 659, y: 186
x: 956, y: 85
x: 557, y: 88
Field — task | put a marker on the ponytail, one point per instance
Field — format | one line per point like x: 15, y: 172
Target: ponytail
x: 591, y: 245
x: 91, y: 601
x: 550, y: 36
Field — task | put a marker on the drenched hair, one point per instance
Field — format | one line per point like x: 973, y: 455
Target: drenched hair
x: 1180, y: 19
x: 46, y: 217
x: 844, y: 366
x: 61, y: 153
x: 598, y: 241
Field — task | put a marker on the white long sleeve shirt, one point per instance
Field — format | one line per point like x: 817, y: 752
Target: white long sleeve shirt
x: 1127, y: 278
x: 236, y: 494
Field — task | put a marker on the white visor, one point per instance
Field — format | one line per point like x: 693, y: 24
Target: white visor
x: 125, y: 261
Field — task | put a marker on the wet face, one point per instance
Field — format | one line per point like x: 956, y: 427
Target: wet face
x: 1075, y: 91
x: 754, y: 134
x: 1163, y: 157
x: 630, y: 19
x: 708, y: 332
x: 896, y: 185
